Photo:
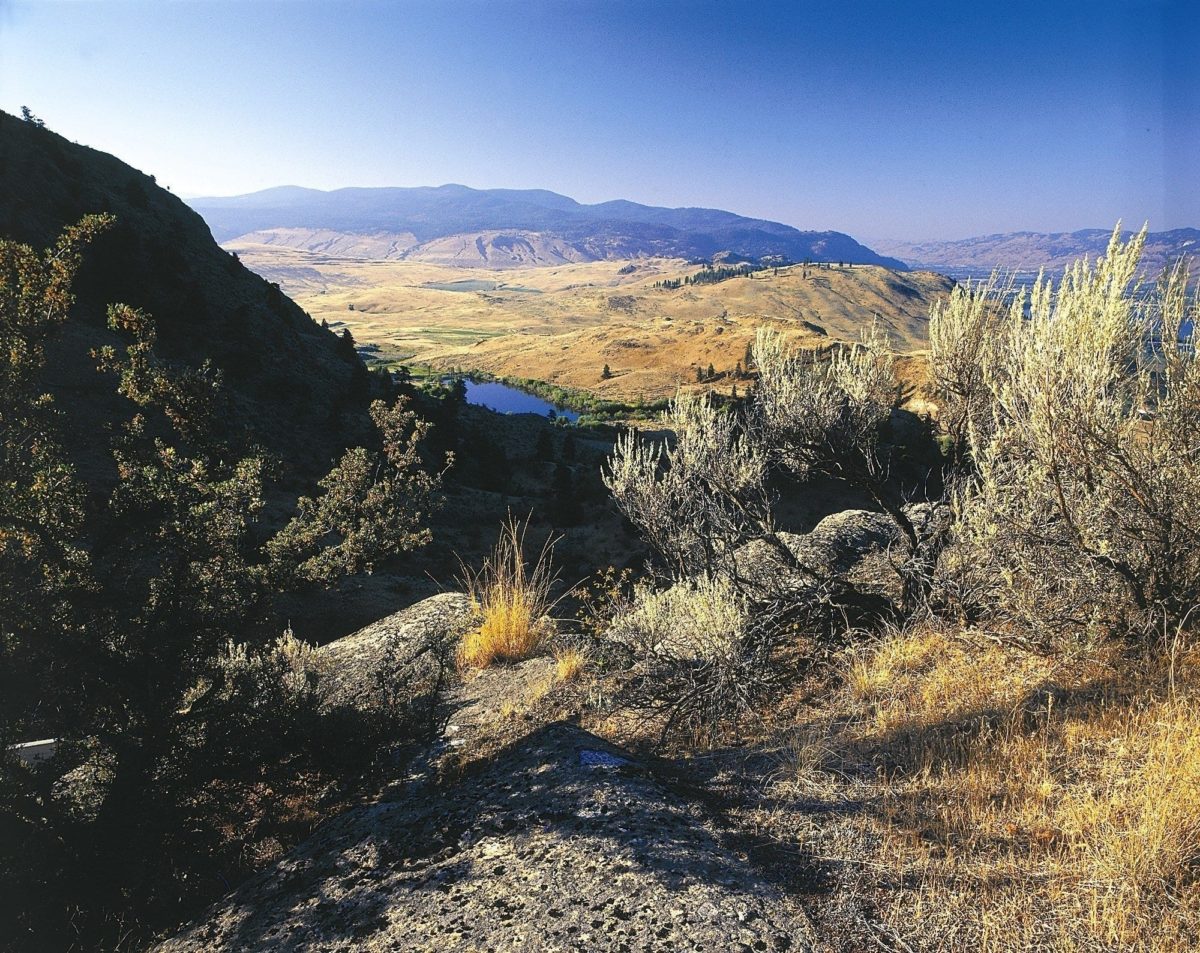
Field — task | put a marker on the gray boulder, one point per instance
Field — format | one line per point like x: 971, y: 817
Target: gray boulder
x: 835, y: 547
x: 410, y: 647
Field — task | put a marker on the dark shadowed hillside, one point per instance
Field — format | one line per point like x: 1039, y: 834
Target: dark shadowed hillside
x: 288, y: 380
x: 408, y: 223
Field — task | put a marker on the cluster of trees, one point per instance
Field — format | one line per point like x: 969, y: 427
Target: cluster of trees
x: 711, y: 275
x: 1070, y: 429
x: 122, y: 600
x: 706, y: 375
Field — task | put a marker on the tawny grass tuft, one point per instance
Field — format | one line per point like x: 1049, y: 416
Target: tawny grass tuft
x: 511, y: 599
x: 569, y: 664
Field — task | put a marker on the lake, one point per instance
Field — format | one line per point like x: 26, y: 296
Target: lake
x: 1021, y: 277
x: 508, y: 400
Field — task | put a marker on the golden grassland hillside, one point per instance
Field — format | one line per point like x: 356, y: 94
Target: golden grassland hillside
x: 563, y: 324
x: 972, y: 793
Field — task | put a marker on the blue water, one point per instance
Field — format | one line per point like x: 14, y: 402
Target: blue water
x: 508, y: 400
x: 1021, y: 278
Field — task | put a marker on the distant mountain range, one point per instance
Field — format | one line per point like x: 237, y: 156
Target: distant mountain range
x: 456, y: 225
x: 1030, y: 251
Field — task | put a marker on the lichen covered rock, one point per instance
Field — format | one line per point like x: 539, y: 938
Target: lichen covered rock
x: 412, y: 645
x: 558, y: 842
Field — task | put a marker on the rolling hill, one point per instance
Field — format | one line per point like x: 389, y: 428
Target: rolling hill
x: 655, y: 340
x: 562, y: 324
x: 456, y: 225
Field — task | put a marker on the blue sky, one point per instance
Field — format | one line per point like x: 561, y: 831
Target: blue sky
x: 899, y: 119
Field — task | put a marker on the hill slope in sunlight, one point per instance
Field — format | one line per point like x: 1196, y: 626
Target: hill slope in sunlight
x: 562, y: 324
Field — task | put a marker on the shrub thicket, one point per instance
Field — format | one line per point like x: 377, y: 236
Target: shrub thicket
x: 118, y: 602
x: 1073, y: 417
x: 699, y: 499
x: 703, y: 652
x: 1082, y: 425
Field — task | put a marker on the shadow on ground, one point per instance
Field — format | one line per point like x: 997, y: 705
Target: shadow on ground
x: 559, y: 840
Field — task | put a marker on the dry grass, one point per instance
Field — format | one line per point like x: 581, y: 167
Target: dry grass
x: 562, y: 324
x: 512, y: 601
x: 569, y: 664
x: 1016, y: 801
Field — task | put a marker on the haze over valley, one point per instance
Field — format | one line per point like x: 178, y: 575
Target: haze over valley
x: 1031, y: 251
x: 453, y: 224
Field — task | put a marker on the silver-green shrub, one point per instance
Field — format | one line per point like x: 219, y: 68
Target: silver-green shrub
x: 1083, y: 508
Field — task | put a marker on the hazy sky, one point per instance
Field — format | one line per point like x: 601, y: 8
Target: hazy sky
x: 883, y: 119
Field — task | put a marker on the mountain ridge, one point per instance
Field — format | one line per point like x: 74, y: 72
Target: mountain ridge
x: 1026, y: 250
x: 609, y: 230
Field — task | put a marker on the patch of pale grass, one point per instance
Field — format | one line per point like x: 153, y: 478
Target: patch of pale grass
x: 512, y: 602
x: 1019, y: 801
x: 701, y: 618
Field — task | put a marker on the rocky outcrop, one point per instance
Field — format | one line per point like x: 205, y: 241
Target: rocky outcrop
x: 841, y: 540
x: 856, y: 553
x: 834, y: 548
x: 414, y: 644
x: 558, y: 842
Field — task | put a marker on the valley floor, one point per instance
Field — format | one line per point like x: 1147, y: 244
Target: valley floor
x: 564, y: 324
